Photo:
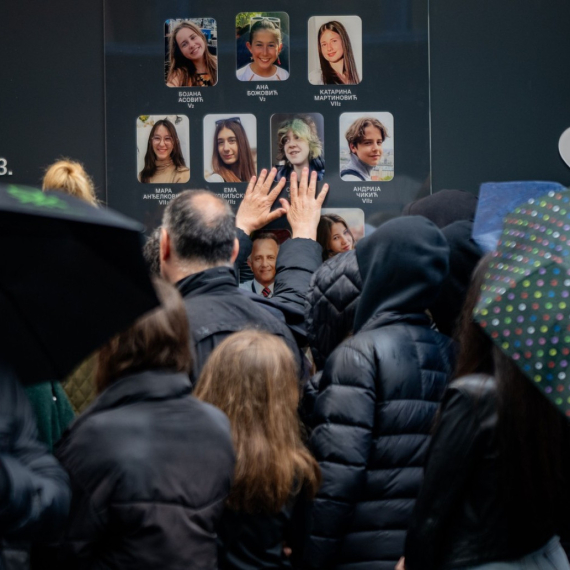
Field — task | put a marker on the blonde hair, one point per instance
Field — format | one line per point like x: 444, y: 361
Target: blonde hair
x: 70, y: 177
x: 305, y: 128
x: 252, y: 377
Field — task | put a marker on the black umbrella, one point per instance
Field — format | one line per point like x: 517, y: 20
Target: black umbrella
x: 72, y: 276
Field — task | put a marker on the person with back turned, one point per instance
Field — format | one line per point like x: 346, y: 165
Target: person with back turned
x: 199, y: 247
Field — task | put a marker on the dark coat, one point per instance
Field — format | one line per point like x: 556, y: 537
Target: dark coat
x: 315, y: 165
x: 330, y: 307
x: 461, y: 517
x: 217, y: 308
x: 253, y: 541
x: 331, y: 304
x: 150, y: 468
x: 52, y: 410
x: 34, y: 489
x: 377, y: 398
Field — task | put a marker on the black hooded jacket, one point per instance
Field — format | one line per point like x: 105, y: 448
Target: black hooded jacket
x: 464, y: 254
x: 377, y: 399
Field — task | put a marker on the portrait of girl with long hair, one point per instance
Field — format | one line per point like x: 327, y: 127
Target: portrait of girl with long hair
x: 334, y: 235
x: 190, y: 61
x: 232, y: 155
x: 338, y: 63
x: 164, y: 161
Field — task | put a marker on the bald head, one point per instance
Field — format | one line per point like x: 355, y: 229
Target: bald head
x: 201, y: 227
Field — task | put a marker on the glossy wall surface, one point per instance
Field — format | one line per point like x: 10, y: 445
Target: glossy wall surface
x: 500, y: 89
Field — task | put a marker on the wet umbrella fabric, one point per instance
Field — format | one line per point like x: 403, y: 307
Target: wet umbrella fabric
x: 525, y: 299
x: 72, y: 276
x: 496, y: 200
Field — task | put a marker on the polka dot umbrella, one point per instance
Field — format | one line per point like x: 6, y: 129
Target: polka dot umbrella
x: 525, y: 299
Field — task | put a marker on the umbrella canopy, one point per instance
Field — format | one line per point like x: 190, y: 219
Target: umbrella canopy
x: 525, y: 299
x: 72, y: 276
x: 496, y: 200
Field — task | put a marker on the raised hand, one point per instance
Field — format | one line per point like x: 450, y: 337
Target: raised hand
x: 304, y: 211
x: 254, y: 211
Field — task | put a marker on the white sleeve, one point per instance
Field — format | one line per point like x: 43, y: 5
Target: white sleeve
x: 316, y: 77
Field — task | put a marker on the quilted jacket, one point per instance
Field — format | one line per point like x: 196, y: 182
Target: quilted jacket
x: 331, y: 303
x: 330, y: 307
x: 80, y: 384
x: 150, y: 469
x: 377, y: 398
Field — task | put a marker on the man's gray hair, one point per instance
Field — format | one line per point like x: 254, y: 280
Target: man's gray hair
x: 206, y: 237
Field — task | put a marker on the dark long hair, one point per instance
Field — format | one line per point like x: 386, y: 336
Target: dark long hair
x: 244, y: 168
x: 532, y: 436
x: 267, y: 26
x: 324, y: 230
x: 475, y: 347
x: 157, y: 340
x: 149, y: 169
x: 534, y: 439
x: 252, y: 377
x: 180, y: 68
x: 349, y: 65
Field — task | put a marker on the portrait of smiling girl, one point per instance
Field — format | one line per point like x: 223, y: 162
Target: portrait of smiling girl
x: 164, y: 161
x: 338, y: 63
x: 265, y: 44
x: 334, y: 235
x: 190, y: 62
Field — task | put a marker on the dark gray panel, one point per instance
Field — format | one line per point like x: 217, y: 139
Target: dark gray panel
x: 51, y: 93
x: 500, y: 91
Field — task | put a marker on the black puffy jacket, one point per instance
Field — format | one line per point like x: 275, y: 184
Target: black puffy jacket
x: 331, y: 304
x: 330, y: 307
x: 378, y: 395
x: 150, y: 468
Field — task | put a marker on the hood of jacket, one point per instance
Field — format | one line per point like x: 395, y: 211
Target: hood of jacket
x: 444, y: 207
x: 330, y: 304
x: 464, y: 255
x: 402, y: 265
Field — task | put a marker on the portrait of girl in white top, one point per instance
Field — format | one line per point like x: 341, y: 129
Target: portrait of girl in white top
x: 265, y: 45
